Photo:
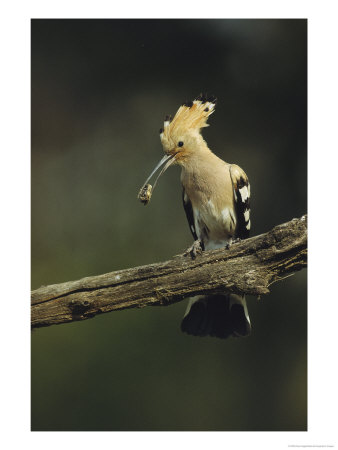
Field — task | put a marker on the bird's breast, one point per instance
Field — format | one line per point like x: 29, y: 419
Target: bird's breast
x: 214, y: 224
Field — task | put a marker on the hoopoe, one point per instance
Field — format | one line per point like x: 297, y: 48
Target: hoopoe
x: 216, y: 199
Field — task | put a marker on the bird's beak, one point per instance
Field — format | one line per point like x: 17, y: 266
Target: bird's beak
x: 167, y: 160
x: 146, y: 190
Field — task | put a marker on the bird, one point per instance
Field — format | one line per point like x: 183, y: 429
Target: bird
x: 216, y: 200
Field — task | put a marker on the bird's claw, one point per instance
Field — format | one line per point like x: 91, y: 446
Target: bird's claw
x: 232, y: 242
x: 194, y: 250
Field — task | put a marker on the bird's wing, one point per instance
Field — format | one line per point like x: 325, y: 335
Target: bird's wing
x: 241, y: 188
x: 189, y: 213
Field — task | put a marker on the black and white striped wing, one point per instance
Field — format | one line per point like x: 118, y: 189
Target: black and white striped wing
x: 189, y: 213
x: 241, y: 188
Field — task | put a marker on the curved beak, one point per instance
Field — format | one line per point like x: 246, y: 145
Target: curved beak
x: 167, y: 160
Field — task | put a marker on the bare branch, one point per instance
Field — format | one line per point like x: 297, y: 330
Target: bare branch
x: 248, y: 267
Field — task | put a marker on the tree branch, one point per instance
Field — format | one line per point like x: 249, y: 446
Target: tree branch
x: 247, y: 267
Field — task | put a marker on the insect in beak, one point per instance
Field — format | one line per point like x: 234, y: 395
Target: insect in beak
x: 146, y: 190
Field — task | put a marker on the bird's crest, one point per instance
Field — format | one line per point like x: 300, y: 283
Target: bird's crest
x: 191, y: 116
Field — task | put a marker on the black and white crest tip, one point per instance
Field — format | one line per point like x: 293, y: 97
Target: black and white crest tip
x: 188, y: 104
x: 204, y: 98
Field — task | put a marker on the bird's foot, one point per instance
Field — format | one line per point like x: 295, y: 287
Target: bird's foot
x: 194, y: 250
x: 232, y: 242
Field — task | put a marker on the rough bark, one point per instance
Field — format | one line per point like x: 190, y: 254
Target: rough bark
x: 247, y: 267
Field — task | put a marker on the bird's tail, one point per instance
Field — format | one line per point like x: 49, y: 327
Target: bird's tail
x: 220, y: 316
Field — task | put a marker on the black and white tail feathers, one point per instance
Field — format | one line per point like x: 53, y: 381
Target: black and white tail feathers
x: 219, y: 316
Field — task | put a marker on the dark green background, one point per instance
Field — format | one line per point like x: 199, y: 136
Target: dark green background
x: 100, y: 91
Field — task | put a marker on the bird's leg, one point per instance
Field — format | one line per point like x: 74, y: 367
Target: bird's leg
x: 234, y: 241
x: 194, y: 250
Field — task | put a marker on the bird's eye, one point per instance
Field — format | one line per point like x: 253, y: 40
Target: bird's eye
x: 180, y: 144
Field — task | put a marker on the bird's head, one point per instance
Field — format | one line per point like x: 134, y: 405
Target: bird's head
x: 181, y: 135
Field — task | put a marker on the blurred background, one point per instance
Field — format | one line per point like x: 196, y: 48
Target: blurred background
x: 100, y: 91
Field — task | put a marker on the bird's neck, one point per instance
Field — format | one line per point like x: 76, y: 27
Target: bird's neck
x: 198, y: 171
x: 201, y: 170
x: 199, y: 160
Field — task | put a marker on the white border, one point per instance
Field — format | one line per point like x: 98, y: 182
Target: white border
x: 15, y: 189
